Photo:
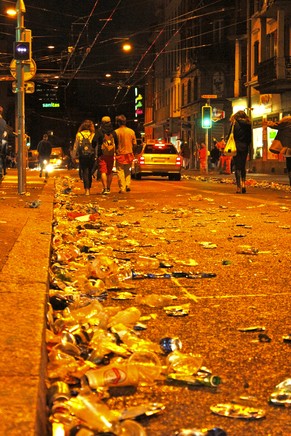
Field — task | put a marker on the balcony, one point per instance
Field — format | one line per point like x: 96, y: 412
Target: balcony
x: 274, y: 77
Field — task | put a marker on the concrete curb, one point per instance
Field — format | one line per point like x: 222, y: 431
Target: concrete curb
x: 24, y: 289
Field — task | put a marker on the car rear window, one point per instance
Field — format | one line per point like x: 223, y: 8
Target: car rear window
x: 160, y: 149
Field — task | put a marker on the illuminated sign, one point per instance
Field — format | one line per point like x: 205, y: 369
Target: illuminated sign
x: 51, y: 105
x: 138, y: 103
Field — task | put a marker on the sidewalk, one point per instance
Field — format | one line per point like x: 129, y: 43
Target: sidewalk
x: 25, y: 236
x: 259, y: 177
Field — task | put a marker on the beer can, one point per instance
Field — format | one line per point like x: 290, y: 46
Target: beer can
x: 58, y: 391
x: 170, y: 344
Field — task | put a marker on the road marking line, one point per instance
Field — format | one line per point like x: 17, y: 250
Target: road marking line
x: 190, y: 296
x: 243, y: 296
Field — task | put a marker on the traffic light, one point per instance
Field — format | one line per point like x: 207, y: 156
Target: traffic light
x: 206, y: 117
x: 21, y: 51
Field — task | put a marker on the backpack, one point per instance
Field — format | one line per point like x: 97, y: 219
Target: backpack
x: 85, y: 146
x: 108, y: 145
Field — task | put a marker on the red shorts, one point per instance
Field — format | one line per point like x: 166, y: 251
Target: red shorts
x: 105, y: 164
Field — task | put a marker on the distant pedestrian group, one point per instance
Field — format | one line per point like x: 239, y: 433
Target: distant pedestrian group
x: 98, y: 150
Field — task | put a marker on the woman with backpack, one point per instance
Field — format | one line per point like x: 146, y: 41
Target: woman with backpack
x: 84, y: 150
x: 106, y: 140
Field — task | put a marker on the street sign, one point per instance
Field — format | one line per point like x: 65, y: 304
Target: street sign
x: 209, y: 96
x: 28, y: 87
x: 29, y: 68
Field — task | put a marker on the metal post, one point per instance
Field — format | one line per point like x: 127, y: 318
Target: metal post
x: 249, y: 60
x: 21, y: 163
x: 207, y: 141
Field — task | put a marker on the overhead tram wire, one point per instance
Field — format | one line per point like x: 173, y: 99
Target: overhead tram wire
x: 79, y: 37
x: 156, y: 57
x: 93, y: 43
x: 162, y: 51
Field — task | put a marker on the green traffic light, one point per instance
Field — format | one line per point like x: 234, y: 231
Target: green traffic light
x: 206, y: 117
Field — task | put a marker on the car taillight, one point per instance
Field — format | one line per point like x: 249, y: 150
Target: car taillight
x: 178, y: 161
x: 141, y: 160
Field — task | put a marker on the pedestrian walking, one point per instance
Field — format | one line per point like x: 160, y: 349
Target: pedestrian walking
x: 203, y: 157
x: 185, y: 153
x: 284, y: 136
x: 44, y: 149
x: 4, y: 153
x: 84, y: 150
x: 124, y: 154
x: 106, y: 144
x: 242, y: 131
x: 215, y: 155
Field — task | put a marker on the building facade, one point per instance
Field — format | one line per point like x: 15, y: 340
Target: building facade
x: 230, y: 55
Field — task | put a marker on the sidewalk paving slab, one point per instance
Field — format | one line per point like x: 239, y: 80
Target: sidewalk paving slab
x: 24, y: 289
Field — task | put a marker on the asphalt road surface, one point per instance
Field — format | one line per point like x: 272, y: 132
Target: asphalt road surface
x: 202, y: 226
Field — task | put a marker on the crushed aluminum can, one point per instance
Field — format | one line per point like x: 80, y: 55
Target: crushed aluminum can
x: 170, y: 344
x: 238, y: 411
x: 139, y: 326
x: 182, y: 310
x: 264, y: 338
x: 58, y: 391
x: 246, y: 249
x: 123, y: 296
x: 201, y: 432
x: 282, y: 394
x: 142, y: 410
x: 255, y: 328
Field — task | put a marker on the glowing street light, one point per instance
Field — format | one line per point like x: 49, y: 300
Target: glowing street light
x: 11, y: 12
x: 126, y: 47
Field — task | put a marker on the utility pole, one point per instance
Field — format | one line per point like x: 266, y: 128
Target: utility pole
x: 20, y: 128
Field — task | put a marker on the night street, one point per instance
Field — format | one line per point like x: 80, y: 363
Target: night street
x: 145, y: 218
x: 198, y: 226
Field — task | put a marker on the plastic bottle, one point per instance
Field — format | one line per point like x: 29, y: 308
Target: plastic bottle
x: 133, y: 342
x: 128, y: 317
x: 148, y: 365
x: 130, y: 428
x: 95, y: 414
x: 145, y: 263
x: 187, y: 364
x: 102, y: 267
x: 84, y: 313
